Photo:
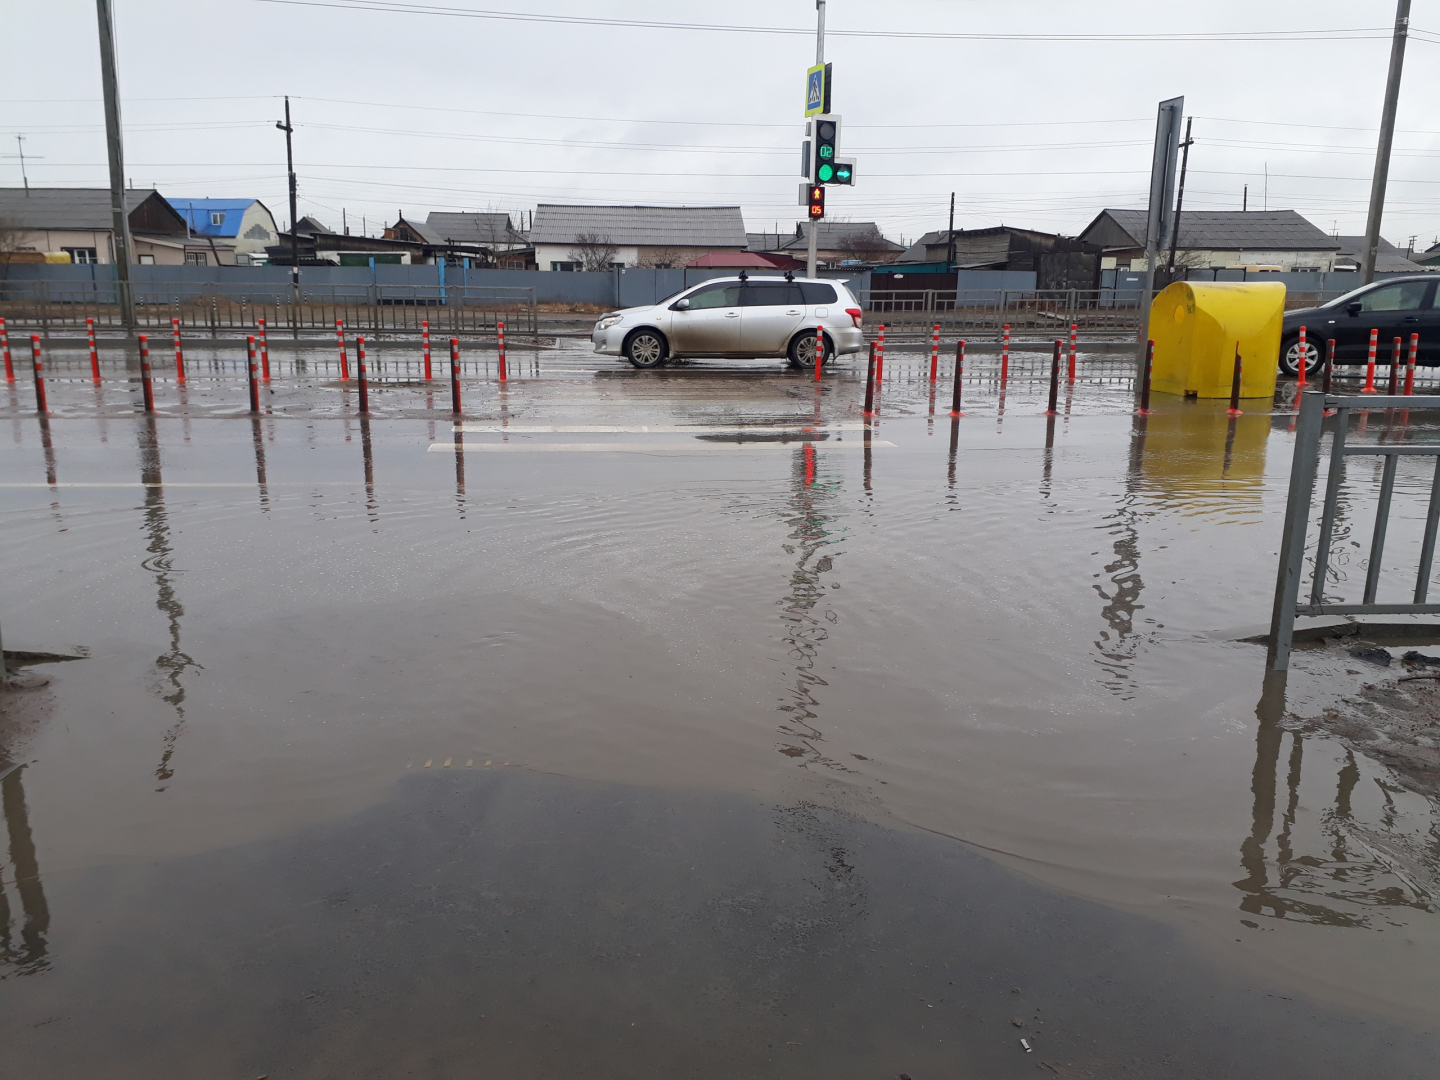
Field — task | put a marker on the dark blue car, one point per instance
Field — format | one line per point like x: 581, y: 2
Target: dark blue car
x: 1396, y: 307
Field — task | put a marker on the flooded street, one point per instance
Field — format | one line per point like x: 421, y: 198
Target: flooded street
x: 682, y: 722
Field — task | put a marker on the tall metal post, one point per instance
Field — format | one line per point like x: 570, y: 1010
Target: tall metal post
x: 1159, y: 220
x: 819, y: 59
x: 1387, y: 137
x: 1179, y: 197
x: 950, y: 246
x: 119, y: 219
x: 290, y: 169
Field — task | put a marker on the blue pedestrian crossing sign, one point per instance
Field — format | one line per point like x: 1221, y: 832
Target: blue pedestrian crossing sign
x: 815, y: 90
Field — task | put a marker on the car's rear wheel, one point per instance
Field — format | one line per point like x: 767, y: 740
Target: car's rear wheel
x: 802, y: 351
x: 1290, y: 356
x: 645, y: 349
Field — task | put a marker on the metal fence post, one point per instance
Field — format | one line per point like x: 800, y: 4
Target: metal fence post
x: 1292, y: 540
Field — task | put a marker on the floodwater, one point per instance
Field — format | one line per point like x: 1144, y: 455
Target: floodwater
x: 680, y: 723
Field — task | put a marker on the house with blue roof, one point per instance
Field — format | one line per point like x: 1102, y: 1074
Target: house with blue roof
x: 245, y: 223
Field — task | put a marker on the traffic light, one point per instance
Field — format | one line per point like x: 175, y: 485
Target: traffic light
x: 816, y: 201
x: 844, y: 172
x: 827, y: 145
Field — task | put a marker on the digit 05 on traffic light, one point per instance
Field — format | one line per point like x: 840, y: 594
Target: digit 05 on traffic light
x: 817, y: 201
x: 827, y: 145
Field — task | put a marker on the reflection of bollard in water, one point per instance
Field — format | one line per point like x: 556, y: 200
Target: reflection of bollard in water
x: 94, y: 354
x: 1055, y: 379
x: 1145, y: 379
x: 40, y: 403
x: 959, y: 373
x: 455, y: 376
x: 425, y: 345
x: 870, y: 383
x: 1410, y: 365
x: 179, y: 353
x: 1369, y: 387
x: 250, y: 369
x: 360, y: 370
x: 146, y: 389
x: 1234, y: 409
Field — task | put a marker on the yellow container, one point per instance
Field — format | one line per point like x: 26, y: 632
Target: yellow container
x: 1196, y: 327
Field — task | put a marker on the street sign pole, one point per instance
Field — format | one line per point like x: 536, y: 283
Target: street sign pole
x: 814, y: 225
x: 1160, y: 218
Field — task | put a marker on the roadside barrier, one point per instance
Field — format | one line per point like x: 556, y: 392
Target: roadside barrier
x: 959, y: 374
x: 250, y: 367
x: 1234, y: 409
x: 1145, y: 381
x: 500, y: 344
x: 1410, y: 365
x: 344, y: 360
x: 1369, y: 387
x: 1329, y: 365
x: 147, y: 388
x: 425, y: 345
x: 455, y: 376
x: 5, y: 343
x: 179, y: 353
x: 1074, y: 330
x: 1055, y: 379
x: 39, y: 371
x: 934, y: 352
x: 94, y: 355
x: 1300, y: 366
x: 264, y: 353
x: 870, y: 383
x: 1395, y: 346
x: 1005, y: 356
x: 360, y: 370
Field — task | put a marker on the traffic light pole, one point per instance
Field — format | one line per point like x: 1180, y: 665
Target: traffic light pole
x: 1387, y: 137
x: 819, y: 59
x: 119, y: 215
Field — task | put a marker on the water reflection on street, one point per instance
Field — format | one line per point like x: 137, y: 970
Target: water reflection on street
x: 992, y: 634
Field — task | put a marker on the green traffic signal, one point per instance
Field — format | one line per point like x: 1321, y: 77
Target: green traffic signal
x: 827, y: 173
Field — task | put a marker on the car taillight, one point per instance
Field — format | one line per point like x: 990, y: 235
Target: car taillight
x: 855, y: 314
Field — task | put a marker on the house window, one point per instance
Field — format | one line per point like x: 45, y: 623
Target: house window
x: 146, y: 260
x: 217, y: 217
x: 195, y: 258
x: 81, y: 255
x: 567, y: 266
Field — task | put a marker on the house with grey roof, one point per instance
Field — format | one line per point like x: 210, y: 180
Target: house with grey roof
x: 841, y: 242
x: 1389, y: 259
x: 74, y: 225
x: 600, y: 237
x: 509, y: 247
x: 1218, y: 239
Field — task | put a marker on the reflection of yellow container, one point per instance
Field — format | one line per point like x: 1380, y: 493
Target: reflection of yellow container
x: 1196, y: 327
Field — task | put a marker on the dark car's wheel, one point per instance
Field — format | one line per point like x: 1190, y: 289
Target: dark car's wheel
x: 802, y: 351
x: 1290, y: 356
x: 645, y: 349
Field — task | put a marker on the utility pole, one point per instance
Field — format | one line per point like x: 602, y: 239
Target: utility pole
x: 819, y: 59
x: 289, y: 130
x: 1245, y: 199
x: 119, y: 219
x: 1387, y: 137
x: 1180, y: 196
x: 950, y: 237
x: 20, y: 142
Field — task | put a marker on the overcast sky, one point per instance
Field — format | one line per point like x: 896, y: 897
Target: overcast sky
x: 405, y: 110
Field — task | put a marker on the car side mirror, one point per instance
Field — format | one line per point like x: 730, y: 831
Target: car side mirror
x: 1354, y: 307
x: 680, y: 305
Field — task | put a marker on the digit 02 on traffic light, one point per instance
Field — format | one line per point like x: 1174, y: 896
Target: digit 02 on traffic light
x: 827, y: 145
x: 816, y: 202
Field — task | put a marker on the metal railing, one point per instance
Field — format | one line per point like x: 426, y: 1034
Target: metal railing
x: 1297, y: 517
x: 377, y: 310
x: 916, y: 311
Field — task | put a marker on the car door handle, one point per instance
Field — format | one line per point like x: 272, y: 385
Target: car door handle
x: 1411, y: 318
x: 792, y: 311
x: 736, y: 315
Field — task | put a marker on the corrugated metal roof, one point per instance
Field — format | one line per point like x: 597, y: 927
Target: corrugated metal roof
x: 650, y: 226
x: 196, y: 213
x: 1388, y: 260
x: 1233, y: 230
x: 477, y: 228
x: 63, y: 208
x: 835, y: 234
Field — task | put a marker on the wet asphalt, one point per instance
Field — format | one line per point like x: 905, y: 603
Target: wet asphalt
x: 665, y: 723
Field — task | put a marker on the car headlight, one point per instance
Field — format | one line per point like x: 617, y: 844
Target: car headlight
x: 608, y: 321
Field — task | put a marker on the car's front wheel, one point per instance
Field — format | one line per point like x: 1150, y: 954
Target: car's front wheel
x: 802, y: 351
x: 645, y: 349
x: 1290, y: 357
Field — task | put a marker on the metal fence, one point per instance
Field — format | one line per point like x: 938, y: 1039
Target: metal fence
x: 451, y: 310
x: 916, y: 312
x: 1297, y: 517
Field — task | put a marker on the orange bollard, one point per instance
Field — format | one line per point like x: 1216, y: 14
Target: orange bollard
x: 1410, y: 365
x: 1395, y: 366
x: 500, y: 345
x: 41, y: 405
x: 264, y: 353
x: 250, y: 370
x: 1369, y: 387
x: 344, y: 360
x: 425, y: 345
x: 94, y: 355
x: 1300, y: 366
x: 819, y: 350
x: 880, y: 356
x: 934, y: 352
x: 146, y: 388
x: 5, y: 344
x: 1074, y: 328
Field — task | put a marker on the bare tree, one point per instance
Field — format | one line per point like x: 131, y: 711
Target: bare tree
x: 664, y: 258
x: 593, y: 251
x: 867, y: 245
